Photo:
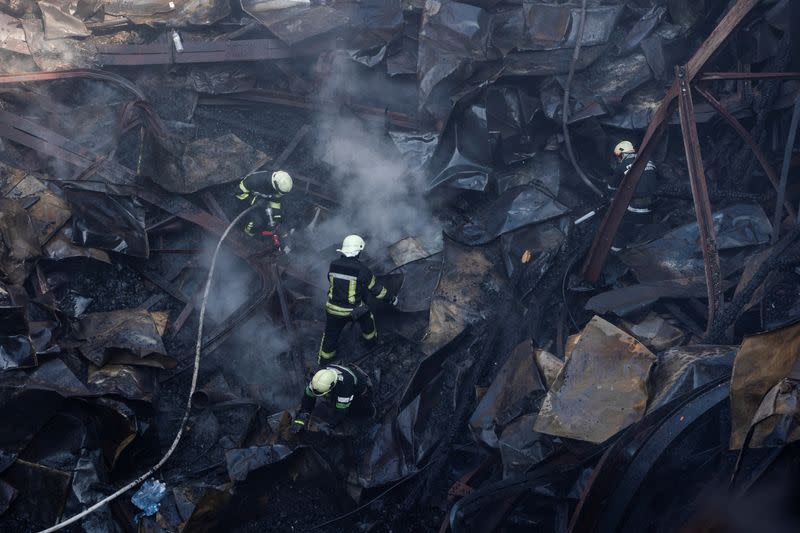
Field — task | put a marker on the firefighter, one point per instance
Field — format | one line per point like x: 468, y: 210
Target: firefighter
x: 340, y: 384
x: 264, y: 222
x: 349, y: 280
x: 640, y: 210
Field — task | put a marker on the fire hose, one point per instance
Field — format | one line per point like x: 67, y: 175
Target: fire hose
x: 172, y: 448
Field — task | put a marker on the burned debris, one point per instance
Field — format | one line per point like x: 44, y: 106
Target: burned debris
x: 395, y: 264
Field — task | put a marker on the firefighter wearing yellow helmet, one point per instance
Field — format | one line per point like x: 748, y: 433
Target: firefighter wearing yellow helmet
x: 340, y: 384
x: 264, y: 222
x: 640, y: 210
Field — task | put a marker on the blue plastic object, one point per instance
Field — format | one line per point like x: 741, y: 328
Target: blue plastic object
x: 148, y: 498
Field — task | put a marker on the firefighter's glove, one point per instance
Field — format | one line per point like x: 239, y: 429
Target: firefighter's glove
x: 300, y: 423
x: 359, y: 312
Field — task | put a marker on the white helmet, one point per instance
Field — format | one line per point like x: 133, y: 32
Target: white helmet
x: 352, y: 246
x: 282, y: 181
x: 323, y: 380
x: 624, y: 147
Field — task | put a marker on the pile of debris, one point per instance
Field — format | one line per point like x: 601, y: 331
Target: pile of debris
x: 527, y: 377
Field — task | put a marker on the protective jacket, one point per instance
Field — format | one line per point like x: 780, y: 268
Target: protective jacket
x: 349, y: 280
x: 349, y: 383
x: 262, y: 221
x: 643, y: 196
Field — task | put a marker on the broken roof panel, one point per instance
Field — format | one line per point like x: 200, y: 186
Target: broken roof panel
x: 16, y: 348
x: 602, y: 388
x: 176, y: 13
x: 295, y: 22
x: 131, y: 330
x: 549, y: 26
x: 512, y: 393
x: 58, y: 24
x: 677, y: 254
x: 106, y: 220
x: 516, y: 208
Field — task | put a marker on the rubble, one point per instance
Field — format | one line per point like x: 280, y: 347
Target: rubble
x: 530, y: 374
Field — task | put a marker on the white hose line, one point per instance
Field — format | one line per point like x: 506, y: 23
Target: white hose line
x: 132, y: 484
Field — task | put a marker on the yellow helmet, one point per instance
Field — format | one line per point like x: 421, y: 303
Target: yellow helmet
x: 323, y: 380
x: 282, y: 181
x: 352, y: 245
x: 625, y: 147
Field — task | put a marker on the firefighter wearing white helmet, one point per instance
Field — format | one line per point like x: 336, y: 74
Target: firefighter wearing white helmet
x: 349, y: 281
x: 640, y: 209
x: 270, y: 187
x: 341, y: 384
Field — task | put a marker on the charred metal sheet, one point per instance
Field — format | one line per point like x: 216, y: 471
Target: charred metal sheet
x: 60, y: 247
x: 193, y: 52
x: 683, y: 369
x: 620, y: 476
x: 12, y: 36
x: 513, y: 392
x: 462, y: 158
x: 456, y: 303
x: 532, y: 249
x: 420, y: 279
x: 655, y: 332
x: 676, y: 254
x: 131, y: 382
x: 619, y: 205
x: 745, y: 135
x: 130, y: 330
x: 107, y: 220
x: 763, y: 361
x: 294, y: 25
x: 702, y: 203
x: 608, y: 370
x: 16, y: 348
x: 49, y: 213
x: 175, y: 13
x: 516, y: 208
x: 187, y: 168
x: 31, y: 481
x: 59, y: 24
x: 453, y: 39
x: 544, y: 169
x: 19, y: 244
x: 57, y: 54
x: 240, y: 462
x: 549, y: 27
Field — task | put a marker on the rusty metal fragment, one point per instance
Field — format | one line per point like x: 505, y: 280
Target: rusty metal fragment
x: 702, y: 204
x: 602, y: 388
x: 762, y: 362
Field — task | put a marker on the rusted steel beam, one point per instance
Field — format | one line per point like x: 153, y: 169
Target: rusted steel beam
x: 714, y: 76
x: 76, y: 73
x: 745, y: 135
x: 619, y: 204
x: 702, y: 204
x: 787, y: 158
x: 193, y: 52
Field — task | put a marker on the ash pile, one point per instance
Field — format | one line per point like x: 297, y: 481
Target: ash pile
x: 576, y: 308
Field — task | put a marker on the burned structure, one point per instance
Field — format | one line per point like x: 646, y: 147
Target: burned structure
x: 588, y: 212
